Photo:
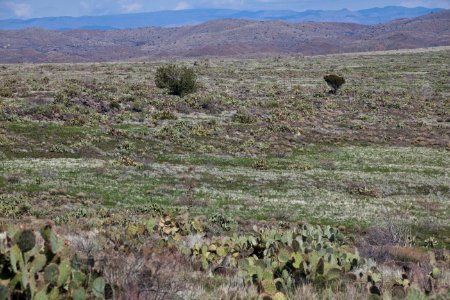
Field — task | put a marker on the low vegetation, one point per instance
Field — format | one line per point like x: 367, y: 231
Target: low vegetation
x: 334, y: 81
x: 180, y: 81
x: 259, y: 184
x: 40, y: 266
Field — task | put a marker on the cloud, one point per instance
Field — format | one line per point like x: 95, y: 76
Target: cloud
x: 182, y: 5
x: 84, y: 5
x: 426, y: 3
x: 132, y: 7
x: 103, y: 7
x: 20, y: 10
x: 226, y: 3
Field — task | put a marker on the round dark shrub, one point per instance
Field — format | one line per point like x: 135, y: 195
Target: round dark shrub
x: 334, y: 81
x: 179, y: 81
x: 114, y: 105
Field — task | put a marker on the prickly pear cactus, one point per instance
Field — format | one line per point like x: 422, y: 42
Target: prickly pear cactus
x: 277, y: 260
x: 29, y: 270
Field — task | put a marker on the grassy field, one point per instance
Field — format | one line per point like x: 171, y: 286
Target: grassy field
x: 261, y: 141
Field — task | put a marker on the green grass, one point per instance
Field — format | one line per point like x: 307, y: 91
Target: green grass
x: 377, y: 150
x: 315, y: 194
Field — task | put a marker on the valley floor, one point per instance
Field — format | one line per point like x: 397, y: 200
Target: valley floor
x: 262, y: 141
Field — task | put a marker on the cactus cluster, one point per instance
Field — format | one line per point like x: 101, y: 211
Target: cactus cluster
x: 277, y: 261
x: 274, y: 260
x: 225, y: 222
x: 38, y: 265
x: 175, y: 227
x: 222, y: 252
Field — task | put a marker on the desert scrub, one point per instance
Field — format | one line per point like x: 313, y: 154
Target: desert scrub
x: 59, y: 148
x: 6, y: 92
x: 164, y: 115
x: 8, y: 87
x: 67, y: 93
x: 115, y: 105
x: 278, y: 260
x: 14, y: 208
x: 180, y: 81
x: 244, y: 117
x: 260, y: 164
x: 334, y: 81
x: 224, y: 221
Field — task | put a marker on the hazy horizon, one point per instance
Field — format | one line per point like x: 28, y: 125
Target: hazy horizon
x: 28, y: 9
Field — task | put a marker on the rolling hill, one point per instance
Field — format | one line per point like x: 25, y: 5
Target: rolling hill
x: 227, y: 37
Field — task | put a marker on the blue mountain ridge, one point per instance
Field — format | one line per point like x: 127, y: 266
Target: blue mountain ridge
x: 196, y: 16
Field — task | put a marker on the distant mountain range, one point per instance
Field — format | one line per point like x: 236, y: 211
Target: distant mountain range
x: 198, y: 16
x: 228, y: 37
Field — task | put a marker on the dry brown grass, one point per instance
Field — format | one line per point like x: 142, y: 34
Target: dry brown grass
x: 407, y: 254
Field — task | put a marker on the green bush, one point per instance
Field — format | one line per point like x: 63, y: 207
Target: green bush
x: 244, y: 117
x: 164, y: 115
x: 334, y: 81
x: 114, y: 105
x: 6, y: 92
x: 179, y: 81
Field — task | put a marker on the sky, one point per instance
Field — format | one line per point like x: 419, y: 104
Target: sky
x: 24, y: 9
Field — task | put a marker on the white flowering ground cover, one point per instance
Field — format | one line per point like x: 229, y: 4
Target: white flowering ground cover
x: 261, y: 139
x: 365, y: 185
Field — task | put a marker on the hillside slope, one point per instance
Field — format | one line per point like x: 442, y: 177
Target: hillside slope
x: 222, y: 38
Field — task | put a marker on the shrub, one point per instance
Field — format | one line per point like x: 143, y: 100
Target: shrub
x: 225, y: 222
x: 179, y: 81
x: 164, y: 115
x: 6, y: 92
x: 114, y: 105
x: 137, y: 106
x: 260, y: 164
x: 244, y: 117
x: 334, y: 81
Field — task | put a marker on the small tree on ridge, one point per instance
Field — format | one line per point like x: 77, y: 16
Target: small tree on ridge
x: 334, y: 81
